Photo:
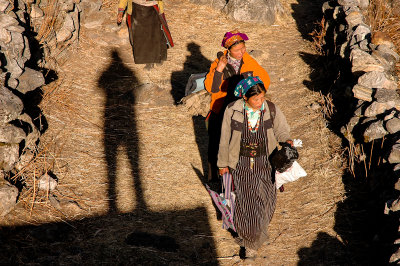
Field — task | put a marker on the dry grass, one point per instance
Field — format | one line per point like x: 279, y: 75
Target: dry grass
x: 318, y: 36
x: 161, y: 150
x: 382, y: 19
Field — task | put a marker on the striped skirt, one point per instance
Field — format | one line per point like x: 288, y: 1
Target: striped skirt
x: 255, y: 196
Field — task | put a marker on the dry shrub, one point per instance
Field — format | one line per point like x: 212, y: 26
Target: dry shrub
x: 318, y: 36
x: 326, y: 101
x: 383, y: 19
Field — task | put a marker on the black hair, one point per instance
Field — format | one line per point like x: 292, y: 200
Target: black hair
x: 255, y: 90
x: 235, y: 43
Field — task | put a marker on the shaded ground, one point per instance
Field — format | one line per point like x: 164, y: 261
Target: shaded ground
x: 135, y: 163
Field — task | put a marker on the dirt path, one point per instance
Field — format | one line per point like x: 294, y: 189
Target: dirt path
x: 142, y: 150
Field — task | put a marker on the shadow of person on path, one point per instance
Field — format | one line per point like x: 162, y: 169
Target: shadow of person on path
x: 325, y: 250
x: 359, y: 218
x: 195, y: 63
x: 201, y: 135
x: 142, y: 237
x: 120, y: 130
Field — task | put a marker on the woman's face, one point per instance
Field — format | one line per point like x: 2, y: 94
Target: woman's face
x: 255, y: 102
x: 237, y: 51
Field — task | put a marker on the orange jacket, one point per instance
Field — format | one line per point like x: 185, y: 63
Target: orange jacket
x: 218, y: 86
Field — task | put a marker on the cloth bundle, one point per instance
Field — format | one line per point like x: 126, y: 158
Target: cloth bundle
x: 289, y: 169
x: 282, y: 159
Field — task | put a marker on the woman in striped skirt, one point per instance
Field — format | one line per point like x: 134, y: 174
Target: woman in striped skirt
x: 251, y: 130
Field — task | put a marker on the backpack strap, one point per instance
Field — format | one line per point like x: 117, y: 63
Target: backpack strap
x: 272, y: 110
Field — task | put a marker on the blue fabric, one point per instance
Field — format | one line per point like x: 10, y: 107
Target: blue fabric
x: 245, y: 84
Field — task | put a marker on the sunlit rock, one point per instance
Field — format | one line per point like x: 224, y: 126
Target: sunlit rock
x: 375, y: 131
x: 47, y: 183
x: 8, y: 198
x: 11, y: 105
x: 364, y: 62
x: 30, y: 80
x: 362, y: 93
x: 376, y: 79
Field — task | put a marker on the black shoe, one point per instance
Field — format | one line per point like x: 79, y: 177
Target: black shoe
x: 242, y: 253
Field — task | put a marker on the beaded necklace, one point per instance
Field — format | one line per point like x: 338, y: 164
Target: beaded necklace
x: 253, y: 116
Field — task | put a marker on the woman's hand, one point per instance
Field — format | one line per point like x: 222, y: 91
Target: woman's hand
x: 119, y: 17
x: 224, y: 170
x: 223, y: 60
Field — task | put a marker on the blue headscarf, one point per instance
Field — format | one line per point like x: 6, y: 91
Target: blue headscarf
x: 245, y: 84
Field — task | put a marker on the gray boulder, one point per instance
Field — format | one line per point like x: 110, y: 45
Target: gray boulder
x: 11, y: 105
x: 364, y: 4
x: 393, y: 125
x: 65, y: 33
x: 7, y: 20
x: 253, y: 11
x: 328, y: 5
x: 8, y: 198
x: 354, y: 18
x: 89, y: 6
x: 30, y: 80
x: 9, y: 154
x: 377, y: 108
x: 13, y: 66
x: 348, y: 2
x: 36, y: 12
x: 376, y: 79
x: 383, y: 48
x: 364, y: 62
x: 4, y: 4
x: 33, y: 134
x: 395, y: 258
x: 394, y: 157
x: 383, y: 96
x: 94, y: 20
x: 360, y: 37
x: 47, y: 183
x: 362, y: 93
x: 16, y: 28
x: 5, y: 36
x: 66, y: 5
x: 392, y: 205
x: 375, y: 131
x: 11, y: 134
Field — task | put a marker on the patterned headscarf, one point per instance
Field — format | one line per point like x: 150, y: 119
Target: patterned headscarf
x: 231, y: 37
x: 245, y: 84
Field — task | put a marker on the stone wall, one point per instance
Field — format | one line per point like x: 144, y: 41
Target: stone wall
x: 253, y: 11
x: 34, y: 36
x: 367, y: 60
x: 18, y: 133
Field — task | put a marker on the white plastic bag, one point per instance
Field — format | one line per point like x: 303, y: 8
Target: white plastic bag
x: 290, y: 175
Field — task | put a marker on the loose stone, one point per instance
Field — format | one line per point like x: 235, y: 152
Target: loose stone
x: 394, y: 156
x: 375, y: 79
x: 393, y: 125
x: 8, y: 198
x: 364, y: 62
x: 362, y: 93
x: 375, y: 131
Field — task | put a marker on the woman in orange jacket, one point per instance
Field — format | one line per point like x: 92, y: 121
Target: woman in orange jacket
x: 231, y: 66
